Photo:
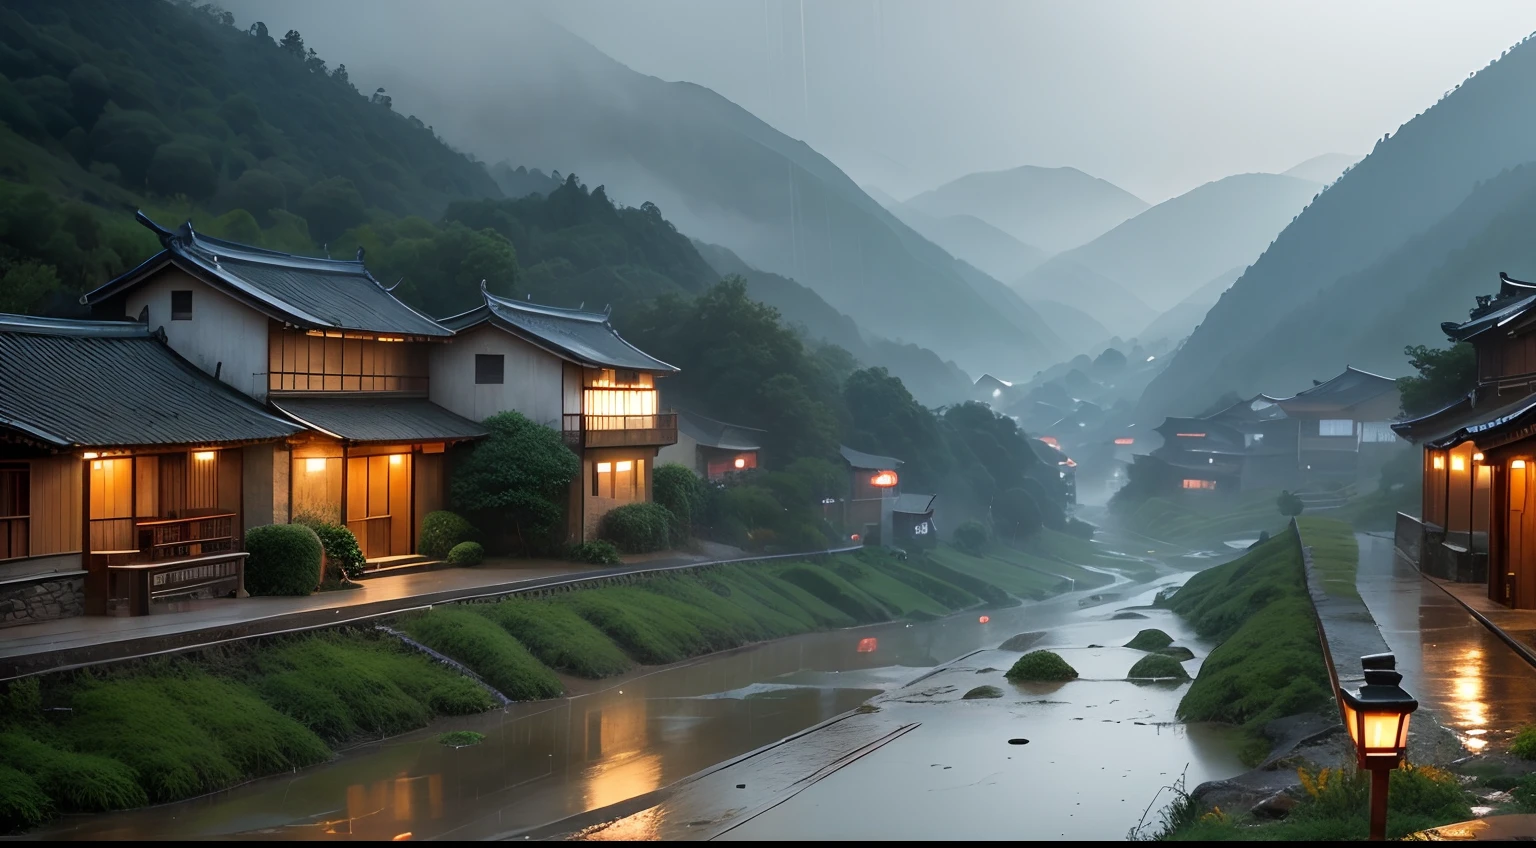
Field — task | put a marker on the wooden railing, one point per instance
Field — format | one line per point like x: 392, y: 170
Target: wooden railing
x: 138, y: 585
x: 617, y: 431
x: 175, y: 538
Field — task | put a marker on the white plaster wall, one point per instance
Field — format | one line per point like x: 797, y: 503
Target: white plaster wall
x: 221, y: 330
x: 532, y: 378
x: 684, y: 452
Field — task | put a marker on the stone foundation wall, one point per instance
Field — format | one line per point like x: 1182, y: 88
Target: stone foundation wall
x: 43, y: 598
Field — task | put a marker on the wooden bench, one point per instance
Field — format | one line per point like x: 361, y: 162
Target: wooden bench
x: 145, y: 582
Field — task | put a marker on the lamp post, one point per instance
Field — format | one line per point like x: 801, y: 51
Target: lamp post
x: 1377, y: 718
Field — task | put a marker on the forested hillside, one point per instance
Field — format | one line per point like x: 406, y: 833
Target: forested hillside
x: 1335, y: 259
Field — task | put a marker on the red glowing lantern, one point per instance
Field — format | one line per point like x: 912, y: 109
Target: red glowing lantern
x: 984, y: 619
x: 854, y: 537
x: 868, y: 645
x: 740, y: 463
x: 883, y: 480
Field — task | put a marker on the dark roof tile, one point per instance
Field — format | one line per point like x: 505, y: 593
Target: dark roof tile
x: 379, y: 419
x: 587, y: 338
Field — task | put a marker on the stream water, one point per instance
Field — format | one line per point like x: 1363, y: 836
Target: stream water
x: 540, y: 762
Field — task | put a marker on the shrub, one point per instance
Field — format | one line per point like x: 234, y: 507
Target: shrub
x: 596, y: 552
x: 971, y: 537
x: 460, y: 738
x: 514, y: 481
x: 440, y: 532
x: 466, y: 553
x: 681, y: 491
x: 342, y: 553
x: 284, y: 560
x: 1524, y: 745
x: 1041, y: 666
x: 488, y: 650
x: 1157, y: 666
x: 82, y: 783
x: 1290, y: 504
x: 637, y: 528
x: 22, y: 803
x: 1150, y: 640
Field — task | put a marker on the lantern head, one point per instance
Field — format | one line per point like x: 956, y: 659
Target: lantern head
x: 1377, y: 715
x: 740, y: 463
x: 883, y: 480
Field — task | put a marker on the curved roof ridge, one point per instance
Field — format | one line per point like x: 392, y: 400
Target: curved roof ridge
x: 1507, y: 280
x: 544, y: 309
x: 1366, y: 373
x: 45, y: 326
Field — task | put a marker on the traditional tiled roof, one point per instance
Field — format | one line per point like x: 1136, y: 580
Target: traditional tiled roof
x: 1515, y: 299
x: 718, y: 434
x: 586, y: 338
x: 316, y: 294
x: 379, y: 419
x: 1351, y: 388
x: 860, y: 459
x: 1488, y: 426
x: 104, y: 384
x: 1255, y: 409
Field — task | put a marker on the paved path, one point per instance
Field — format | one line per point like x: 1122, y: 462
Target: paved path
x: 1474, y: 683
x: 84, y: 640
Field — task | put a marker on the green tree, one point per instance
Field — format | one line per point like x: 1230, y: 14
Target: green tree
x: 259, y: 192
x: 1290, y: 504
x: 1445, y: 376
x: 26, y: 287
x: 1016, y: 515
x: 681, y: 491
x: 886, y: 419
x: 332, y: 206
x: 182, y: 169
x: 128, y: 139
x: 513, y: 483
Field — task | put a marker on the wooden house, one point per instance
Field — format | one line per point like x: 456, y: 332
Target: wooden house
x: 1478, y: 516
x: 123, y: 471
x: 324, y: 344
x: 874, y: 484
x: 1344, y: 426
x: 569, y: 369
x: 1200, y: 455
x: 712, y: 449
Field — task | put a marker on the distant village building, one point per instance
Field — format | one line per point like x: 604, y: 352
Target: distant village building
x: 1478, y: 517
x: 1344, y: 426
x: 571, y: 370
x: 912, y: 521
x: 712, y: 449
x: 1050, y: 453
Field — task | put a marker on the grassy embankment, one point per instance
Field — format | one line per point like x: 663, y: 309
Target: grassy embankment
x: 1205, y: 522
x: 1045, y: 565
x: 164, y: 730
x: 1335, y: 553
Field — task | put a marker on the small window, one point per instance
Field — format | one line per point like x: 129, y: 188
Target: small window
x: 1336, y: 427
x: 628, y: 378
x: 490, y: 368
x: 181, y: 306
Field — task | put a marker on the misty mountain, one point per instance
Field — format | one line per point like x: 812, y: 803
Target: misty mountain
x: 1322, y: 169
x: 722, y: 176
x: 1064, y: 280
x: 881, y: 196
x: 973, y: 240
x: 930, y: 379
x: 1363, y: 248
x: 1054, y: 209
x: 1077, y: 328
x: 521, y: 182
x: 1167, y: 252
x: 1181, y: 320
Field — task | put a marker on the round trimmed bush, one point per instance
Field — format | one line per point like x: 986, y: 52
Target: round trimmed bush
x: 342, y: 553
x: 1041, y: 666
x: 441, y: 531
x: 596, y: 552
x: 1150, y: 640
x: 284, y: 560
x: 971, y: 537
x: 466, y: 553
x: 681, y: 491
x: 637, y: 528
x: 1157, y: 667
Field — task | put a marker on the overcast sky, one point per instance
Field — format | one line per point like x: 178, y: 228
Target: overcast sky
x: 1157, y: 97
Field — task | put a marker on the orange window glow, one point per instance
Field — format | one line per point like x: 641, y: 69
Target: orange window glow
x: 740, y: 463
x: 883, y: 480
x: 1125, y: 441
x: 1190, y: 435
x: 1199, y: 484
x: 868, y: 644
x: 1438, y: 462
x: 1458, y: 463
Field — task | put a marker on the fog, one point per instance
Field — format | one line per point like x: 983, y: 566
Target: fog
x: 904, y: 95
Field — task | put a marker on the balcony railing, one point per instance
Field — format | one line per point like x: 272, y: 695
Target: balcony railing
x: 619, y: 431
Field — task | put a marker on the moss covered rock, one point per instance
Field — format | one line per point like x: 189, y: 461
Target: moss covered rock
x: 1150, y: 640
x: 1157, y: 667
x: 1178, y: 652
x: 1023, y: 641
x: 981, y: 692
x: 1041, y: 666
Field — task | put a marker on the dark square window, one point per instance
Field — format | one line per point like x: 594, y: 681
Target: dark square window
x: 181, y: 306
x: 628, y: 378
x: 490, y: 368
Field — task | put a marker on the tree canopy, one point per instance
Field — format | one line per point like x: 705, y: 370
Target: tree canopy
x: 1445, y: 376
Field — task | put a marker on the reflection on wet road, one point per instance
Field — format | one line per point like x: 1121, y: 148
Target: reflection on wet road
x: 1474, y: 683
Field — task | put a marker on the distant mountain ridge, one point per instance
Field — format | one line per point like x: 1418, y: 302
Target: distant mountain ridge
x: 1053, y: 209
x: 1323, y: 169
x: 973, y: 240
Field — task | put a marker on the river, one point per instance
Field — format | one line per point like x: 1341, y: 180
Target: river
x: 545, y: 761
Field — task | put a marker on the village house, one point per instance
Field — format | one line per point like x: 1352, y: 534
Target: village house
x: 1477, y: 520
x: 571, y: 370
x: 325, y: 345
x: 712, y: 449
x: 1344, y: 427
x: 125, y: 471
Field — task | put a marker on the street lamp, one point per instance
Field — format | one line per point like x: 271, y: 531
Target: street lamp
x: 1377, y: 718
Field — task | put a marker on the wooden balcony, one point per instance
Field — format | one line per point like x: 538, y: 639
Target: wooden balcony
x: 620, y: 431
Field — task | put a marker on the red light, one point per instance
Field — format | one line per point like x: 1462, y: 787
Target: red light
x: 1050, y: 440
x: 854, y: 537
x: 868, y: 645
x: 984, y: 619
x: 883, y: 480
x: 1125, y: 441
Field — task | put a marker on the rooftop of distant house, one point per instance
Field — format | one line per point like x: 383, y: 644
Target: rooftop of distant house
x: 585, y: 338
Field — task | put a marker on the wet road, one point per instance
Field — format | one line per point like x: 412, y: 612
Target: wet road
x: 1474, y: 683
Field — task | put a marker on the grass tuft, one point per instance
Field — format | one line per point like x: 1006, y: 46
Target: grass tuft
x: 488, y: 650
x: 558, y: 637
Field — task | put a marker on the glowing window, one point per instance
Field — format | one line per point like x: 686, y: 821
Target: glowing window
x: 1437, y: 462
x: 1458, y: 463
x: 1336, y: 427
x: 1199, y: 484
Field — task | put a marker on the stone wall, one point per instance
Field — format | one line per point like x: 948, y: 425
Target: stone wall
x: 42, y: 598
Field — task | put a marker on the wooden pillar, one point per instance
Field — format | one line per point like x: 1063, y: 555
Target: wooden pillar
x: 345, y: 461
x: 96, y: 573
x: 1498, y: 510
